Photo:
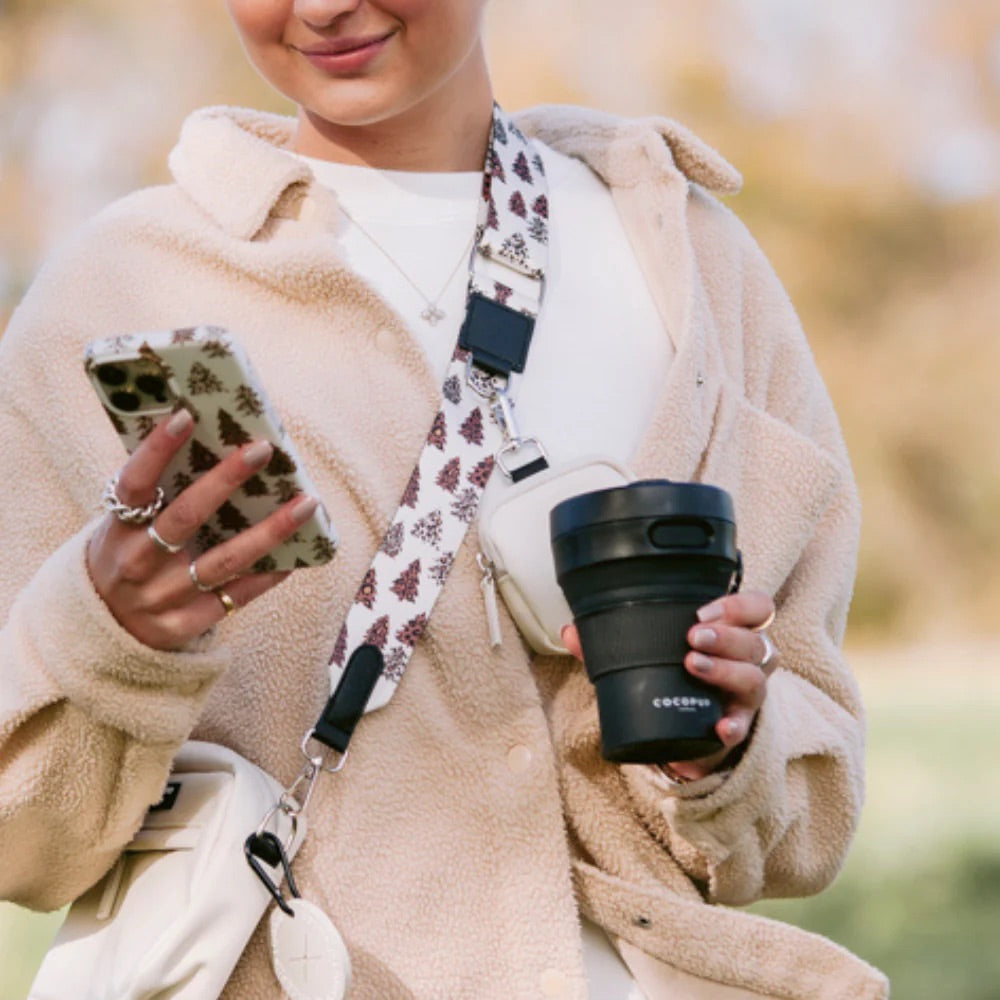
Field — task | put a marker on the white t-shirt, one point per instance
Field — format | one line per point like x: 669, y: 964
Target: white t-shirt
x: 600, y: 351
x: 598, y: 357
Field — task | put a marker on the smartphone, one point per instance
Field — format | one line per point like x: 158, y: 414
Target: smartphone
x: 141, y: 377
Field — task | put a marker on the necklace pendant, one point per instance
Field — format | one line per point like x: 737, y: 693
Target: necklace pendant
x: 432, y: 314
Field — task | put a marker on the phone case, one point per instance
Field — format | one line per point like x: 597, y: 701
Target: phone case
x: 514, y: 536
x: 142, y: 377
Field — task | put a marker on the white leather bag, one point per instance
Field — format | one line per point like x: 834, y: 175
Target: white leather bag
x: 173, y: 916
x: 514, y: 534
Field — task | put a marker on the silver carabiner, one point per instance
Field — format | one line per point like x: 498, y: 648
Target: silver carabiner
x: 503, y: 413
x: 288, y: 802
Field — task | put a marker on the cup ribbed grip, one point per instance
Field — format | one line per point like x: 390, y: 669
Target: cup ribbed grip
x: 652, y: 633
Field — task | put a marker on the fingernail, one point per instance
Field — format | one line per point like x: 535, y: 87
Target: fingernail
x: 711, y: 612
x: 701, y: 663
x: 734, y: 728
x: 704, y: 637
x: 179, y: 423
x: 257, y: 454
x: 303, y: 510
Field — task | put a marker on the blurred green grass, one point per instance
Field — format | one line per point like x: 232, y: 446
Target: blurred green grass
x: 920, y: 894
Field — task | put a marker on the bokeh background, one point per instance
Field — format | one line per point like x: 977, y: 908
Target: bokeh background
x: 868, y: 132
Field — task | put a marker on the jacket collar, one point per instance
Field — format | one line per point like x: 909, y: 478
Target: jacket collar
x: 233, y: 162
x: 626, y: 152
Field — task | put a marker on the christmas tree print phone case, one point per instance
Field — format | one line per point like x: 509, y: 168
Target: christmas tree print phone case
x: 142, y: 377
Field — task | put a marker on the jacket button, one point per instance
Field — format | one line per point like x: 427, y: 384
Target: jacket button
x: 519, y: 759
x: 554, y: 983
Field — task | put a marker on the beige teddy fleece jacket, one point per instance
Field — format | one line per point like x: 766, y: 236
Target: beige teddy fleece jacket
x: 454, y: 868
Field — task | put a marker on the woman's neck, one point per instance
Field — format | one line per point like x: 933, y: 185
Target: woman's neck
x: 443, y: 135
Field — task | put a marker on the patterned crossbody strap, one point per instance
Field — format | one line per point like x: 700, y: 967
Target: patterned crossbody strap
x: 472, y: 431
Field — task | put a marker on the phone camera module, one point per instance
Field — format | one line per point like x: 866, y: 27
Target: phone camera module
x: 112, y: 375
x: 126, y: 401
x: 152, y: 385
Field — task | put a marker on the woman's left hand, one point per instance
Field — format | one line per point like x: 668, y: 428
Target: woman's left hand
x: 730, y: 652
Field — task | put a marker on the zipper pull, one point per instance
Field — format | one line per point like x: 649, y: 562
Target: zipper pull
x: 489, y: 588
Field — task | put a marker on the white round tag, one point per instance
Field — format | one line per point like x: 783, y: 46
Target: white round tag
x: 309, y: 955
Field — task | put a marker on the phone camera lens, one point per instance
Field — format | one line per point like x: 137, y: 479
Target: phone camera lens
x: 125, y: 400
x: 112, y: 374
x: 152, y: 385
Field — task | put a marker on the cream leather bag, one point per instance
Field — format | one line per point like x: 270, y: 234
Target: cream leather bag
x: 514, y: 534
x: 175, y: 913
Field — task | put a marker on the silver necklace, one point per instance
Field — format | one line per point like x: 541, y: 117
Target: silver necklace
x: 432, y: 313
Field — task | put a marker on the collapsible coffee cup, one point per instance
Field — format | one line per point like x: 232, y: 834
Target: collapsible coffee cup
x: 636, y: 563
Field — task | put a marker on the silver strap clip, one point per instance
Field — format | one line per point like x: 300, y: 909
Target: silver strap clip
x: 502, y: 407
x: 294, y: 800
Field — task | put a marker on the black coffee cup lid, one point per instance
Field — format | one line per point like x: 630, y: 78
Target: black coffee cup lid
x: 647, y: 498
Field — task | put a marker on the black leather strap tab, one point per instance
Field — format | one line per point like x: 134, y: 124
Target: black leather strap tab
x: 539, y: 464
x: 347, y: 704
x: 497, y: 337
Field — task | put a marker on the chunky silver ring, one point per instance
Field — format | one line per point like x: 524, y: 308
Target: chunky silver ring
x: 193, y: 573
x: 770, y: 651
x: 160, y: 542
x: 130, y: 515
x: 227, y: 602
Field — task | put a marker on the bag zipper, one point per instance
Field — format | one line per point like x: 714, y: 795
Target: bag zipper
x: 488, y: 585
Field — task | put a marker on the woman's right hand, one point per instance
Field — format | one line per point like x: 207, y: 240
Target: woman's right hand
x: 151, y: 592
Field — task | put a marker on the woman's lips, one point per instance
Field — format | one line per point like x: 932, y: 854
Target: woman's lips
x: 345, y: 55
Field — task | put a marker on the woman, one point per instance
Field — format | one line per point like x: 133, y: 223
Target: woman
x: 477, y: 823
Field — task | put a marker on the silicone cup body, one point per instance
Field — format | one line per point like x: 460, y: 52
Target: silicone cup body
x: 636, y: 563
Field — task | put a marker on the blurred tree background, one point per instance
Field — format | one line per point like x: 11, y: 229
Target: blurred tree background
x: 868, y: 134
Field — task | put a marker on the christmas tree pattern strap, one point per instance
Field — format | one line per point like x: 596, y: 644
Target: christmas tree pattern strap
x: 397, y: 594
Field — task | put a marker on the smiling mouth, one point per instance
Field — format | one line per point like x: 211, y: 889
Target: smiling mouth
x: 336, y: 48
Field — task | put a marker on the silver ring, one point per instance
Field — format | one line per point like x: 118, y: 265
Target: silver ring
x: 112, y: 503
x: 227, y: 602
x: 770, y: 651
x: 160, y: 542
x: 193, y: 573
